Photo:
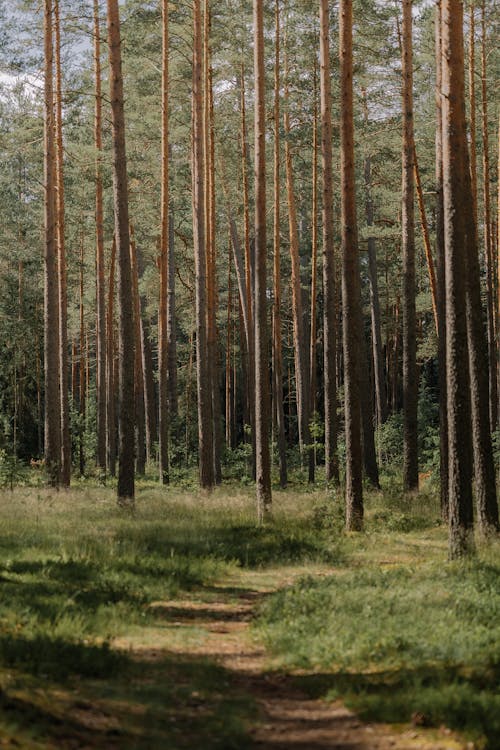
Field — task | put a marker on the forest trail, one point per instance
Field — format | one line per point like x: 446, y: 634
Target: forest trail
x: 215, y: 624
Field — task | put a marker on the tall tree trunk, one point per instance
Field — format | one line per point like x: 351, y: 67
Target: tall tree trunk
x: 427, y: 242
x: 410, y: 375
x: 314, y: 250
x: 61, y: 257
x: 205, y: 444
x: 441, y: 288
x: 150, y: 400
x: 488, y: 240
x: 163, y: 349
x: 457, y: 369
x: 82, y: 390
x: 301, y: 353
x: 110, y: 370
x: 329, y: 286
x: 139, y: 390
x: 277, y: 348
x: 126, y: 488
x: 229, y: 339
x: 171, y: 322
x: 351, y: 294
x: 262, y: 400
x: 100, y: 277
x: 51, y: 291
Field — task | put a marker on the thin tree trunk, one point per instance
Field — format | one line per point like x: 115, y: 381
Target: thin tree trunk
x: 51, y: 291
x: 140, y: 414
x: 329, y: 286
x: 441, y: 288
x: 490, y: 294
x: 171, y: 322
x: 126, y: 488
x: 262, y: 400
x: 205, y: 443
x: 410, y: 375
x: 229, y: 336
x: 163, y: 349
x: 110, y: 370
x: 100, y: 278
x: 351, y: 295
x: 150, y: 399
x: 314, y: 257
x: 277, y: 348
x: 301, y: 353
x: 427, y: 242
x: 457, y: 366
x: 61, y: 257
x: 81, y: 387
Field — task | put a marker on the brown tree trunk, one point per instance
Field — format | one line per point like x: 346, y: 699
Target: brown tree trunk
x: 441, y: 288
x: 171, y: 322
x: 277, y: 348
x: 301, y: 353
x: 61, y: 257
x: 488, y: 242
x: 126, y: 488
x: 150, y: 400
x: 427, y: 242
x: 139, y: 391
x: 163, y: 350
x: 51, y: 291
x: 110, y: 370
x: 351, y: 295
x: 410, y: 375
x: 329, y: 285
x: 100, y: 277
x: 314, y: 259
x: 457, y: 365
x: 205, y: 432
x: 262, y: 400
x: 82, y: 390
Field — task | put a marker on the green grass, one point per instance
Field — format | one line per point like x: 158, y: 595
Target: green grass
x: 398, y: 631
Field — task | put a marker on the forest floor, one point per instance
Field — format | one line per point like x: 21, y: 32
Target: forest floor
x: 175, y: 627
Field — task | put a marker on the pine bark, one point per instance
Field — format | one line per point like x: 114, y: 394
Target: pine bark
x: 163, y: 349
x: 126, y: 480
x: 277, y: 348
x: 100, y: 272
x: 51, y: 291
x: 351, y: 295
x: 410, y: 376
x: 110, y: 369
x: 205, y: 443
x: 457, y: 365
x: 329, y: 285
x: 61, y: 260
x: 262, y: 400
x: 139, y: 390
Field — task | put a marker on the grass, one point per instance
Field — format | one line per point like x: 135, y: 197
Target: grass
x: 398, y: 632
x: 393, y: 628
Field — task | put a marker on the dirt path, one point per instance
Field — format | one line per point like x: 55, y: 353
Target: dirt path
x: 218, y: 628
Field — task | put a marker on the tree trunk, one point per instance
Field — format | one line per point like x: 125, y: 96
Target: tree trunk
x: 205, y: 432
x: 441, y: 288
x: 61, y: 257
x: 100, y: 278
x: 457, y: 365
x: 329, y: 285
x: 110, y: 370
x: 410, y: 375
x: 163, y: 349
x: 301, y: 353
x: 427, y: 243
x: 139, y: 390
x: 277, y: 348
x: 262, y: 400
x: 51, y: 291
x: 82, y: 390
x: 126, y: 488
x: 150, y: 399
x: 351, y: 295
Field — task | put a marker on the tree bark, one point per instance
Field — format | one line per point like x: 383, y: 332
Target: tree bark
x: 110, y: 369
x: 351, y: 295
x: 51, y: 291
x: 410, y: 375
x: 262, y: 400
x: 329, y: 285
x: 100, y: 277
x: 277, y: 348
x: 139, y: 390
x: 205, y: 432
x: 126, y: 484
x: 457, y: 365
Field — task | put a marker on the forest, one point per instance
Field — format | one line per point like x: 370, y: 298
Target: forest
x: 249, y: 374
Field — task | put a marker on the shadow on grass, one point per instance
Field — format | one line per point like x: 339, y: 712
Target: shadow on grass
x: 461, y: 699
x: 152, y: 703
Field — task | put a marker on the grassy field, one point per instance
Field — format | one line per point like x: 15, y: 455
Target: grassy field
x: 380, y: 618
